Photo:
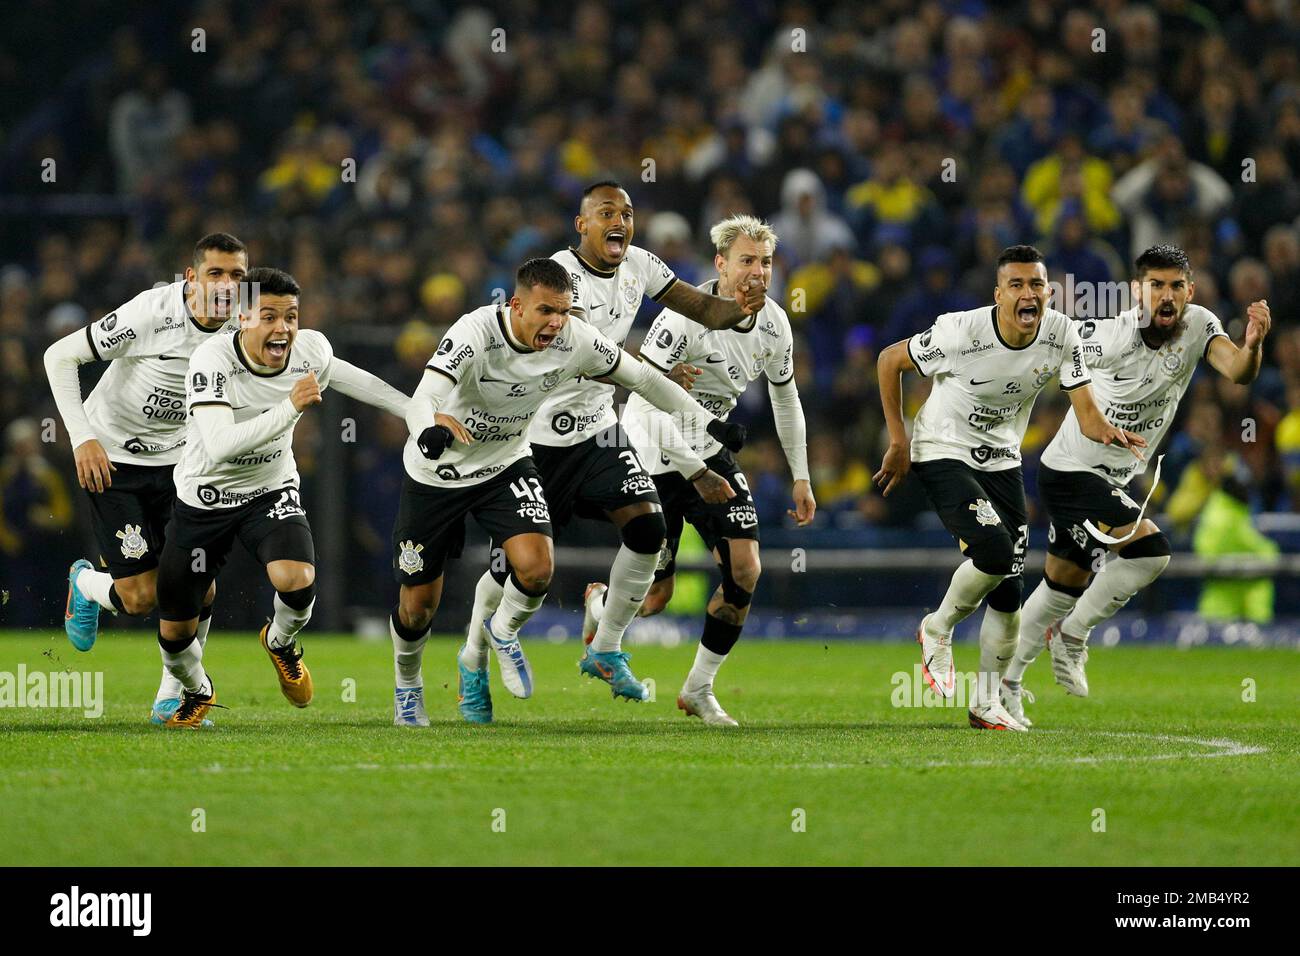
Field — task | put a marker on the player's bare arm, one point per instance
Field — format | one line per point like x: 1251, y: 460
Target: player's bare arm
x: 1241, y: 364
x: 1094, y: 425
x: 714, y: 311
x: 890, y: 366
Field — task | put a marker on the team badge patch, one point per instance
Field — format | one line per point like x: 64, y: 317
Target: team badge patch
x: 410, y: 559
x: 550, y: 380
x: 1172, y: 363
x: 133, y: 543
x: 984, y: 512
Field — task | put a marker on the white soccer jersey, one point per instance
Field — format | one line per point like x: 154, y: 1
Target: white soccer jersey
x: 729, y: 359
x: 220, y: 374
x: 984, y: 389
x: 500, y: 385
x: 608, y: 301
x: 137, y: 409
x: 1138, y: 388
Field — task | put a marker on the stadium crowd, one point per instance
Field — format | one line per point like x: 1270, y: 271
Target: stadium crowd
x: 401, y: 159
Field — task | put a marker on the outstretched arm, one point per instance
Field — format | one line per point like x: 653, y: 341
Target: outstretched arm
x: 1241, y: 365
x: 357, y: 383
x: 713, y: 311
x: 1095, y: 426
x: 646, y: 380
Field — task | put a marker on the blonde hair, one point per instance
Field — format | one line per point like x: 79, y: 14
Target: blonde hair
x: 724, y: 233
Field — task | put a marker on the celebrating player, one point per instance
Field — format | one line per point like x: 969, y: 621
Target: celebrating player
x: 468, y: 454
x: 1142, y: 362
x: 700, y: 482
x: 238, y: 479
x: 587, y: 466
x: 130, y: 433
x: 988, y: 365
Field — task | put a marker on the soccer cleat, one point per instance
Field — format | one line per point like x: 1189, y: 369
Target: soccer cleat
x: 589, y: 623
x: 1011, y: 693
x: 295, y: 679
x: 474, y: 696
x: 611, y: 667
x: 408, y: 707
x: 704, y: 705
x: 516, y: 672
x: 1069, y: 654
x: 936, y: 660
x: 194, y: 707
x: 81, y: 616
x: 164, y: 707
x: 993, y: 716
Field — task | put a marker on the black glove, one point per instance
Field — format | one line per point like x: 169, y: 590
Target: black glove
x: 731, y: 435
x: 433, y: 441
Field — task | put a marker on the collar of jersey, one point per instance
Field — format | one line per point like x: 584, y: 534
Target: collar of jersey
x: 510, y: 336
x: 243, y: 360
x: 592, y: 269
x: 185, y: 304
x: 1005, y: 344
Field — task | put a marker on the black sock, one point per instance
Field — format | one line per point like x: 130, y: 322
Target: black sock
x: 719, y: 636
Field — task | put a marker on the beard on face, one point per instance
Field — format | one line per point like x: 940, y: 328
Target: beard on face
x: 1158, y: 335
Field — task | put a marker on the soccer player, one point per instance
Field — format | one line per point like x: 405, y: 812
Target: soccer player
x: 469, y: 454
x: 237, y: 479
x: 721, y: 364
x: 988, y: 366
x: 129, y: 434
x: 586, y: 463
x: 1142, y: 362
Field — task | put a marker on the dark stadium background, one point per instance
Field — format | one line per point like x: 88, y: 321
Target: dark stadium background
x: 832, y: 120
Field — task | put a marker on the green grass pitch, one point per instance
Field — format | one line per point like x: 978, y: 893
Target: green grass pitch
x: 1185, y: 771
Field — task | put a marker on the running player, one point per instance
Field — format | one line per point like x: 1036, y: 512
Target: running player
x: 468, y: 454
x: 238, y: 479
x: 586, y: 463
x: 1142, y: 362
x: 129, y: 434
x: 687, y: 476
x: 988, y: 365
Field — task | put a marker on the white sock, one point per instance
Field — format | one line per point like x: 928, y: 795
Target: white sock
x: 95, y: 586
x: 630, y: 578
x: 999, y: 632
x: 704, y: 670
x: 487, y: 598
x: 407, y: 656
x: 287, y: 622
x: 187, y: 667
x: 1045, y: 606
x: 513, y: 612
x: 169, y: 688
x: 1109, y: 591
x: 969, y: 586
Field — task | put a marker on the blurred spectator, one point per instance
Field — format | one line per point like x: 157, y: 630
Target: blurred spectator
x: 34, y: 508
x: 1162, y: 194
x: 1225, y: 529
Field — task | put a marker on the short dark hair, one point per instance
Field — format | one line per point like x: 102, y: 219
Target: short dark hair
x: 611, y: 183
x: 1018, y: 254
x: 268, y: 281
x: 543, y: 272
x: 220, y: 241
x: 1164, y: 256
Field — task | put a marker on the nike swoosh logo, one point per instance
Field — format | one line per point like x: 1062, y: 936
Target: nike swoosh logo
x: 715, y: 361
x: 500, y: 381
x: 985, y: 382
x: 172, y: 358
x: 1129, y: 379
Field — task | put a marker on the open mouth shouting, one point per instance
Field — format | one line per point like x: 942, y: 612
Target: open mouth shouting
x: 615, y: 245
x: 277, y: 348
x: 1027, y: 313
x: 1166, y: 313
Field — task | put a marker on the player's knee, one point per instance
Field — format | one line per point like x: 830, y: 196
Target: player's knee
x: 745, y: 571
x: 210, y: 598
x: 415, y: 610
x: 645, y: 533
x: 1007, y: 595
x: 534, y: 577
x: 291, y: 575
x: 995, y: 554
x: 660, y: 593
x: 137, y: 597
x: 733, y: 591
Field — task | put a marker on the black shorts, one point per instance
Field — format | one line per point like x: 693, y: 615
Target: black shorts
x: 273, y: 527
x: 601, y: 474
x: 977, y: 505
x: 1072, y: 497
x: 130, y: 518
x: 716, y: 524
x: 430, y: 525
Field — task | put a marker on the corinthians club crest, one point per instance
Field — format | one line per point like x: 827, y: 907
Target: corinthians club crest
x: 1172, y: 362
x: 133, y: 542
x: 984, y: 512
x: 409, y: 560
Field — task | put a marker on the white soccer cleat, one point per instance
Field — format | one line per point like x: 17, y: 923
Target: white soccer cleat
x: 993, y: 716
x: 516, y: 672
x: 1011, y: 693
x: 936, y: 660
x: 704, y: 705
x: 1069, y: 654
x: 595, y: 592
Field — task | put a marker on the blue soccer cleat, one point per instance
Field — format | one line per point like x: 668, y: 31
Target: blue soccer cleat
x: 474, y: 696
x: 408, y: 707
x: 81, y: 616
x: 516, y: 672
x: 164, y: 707
x: 611, y: 667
